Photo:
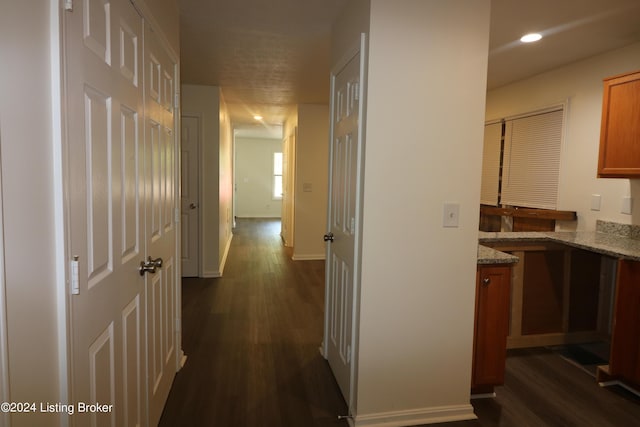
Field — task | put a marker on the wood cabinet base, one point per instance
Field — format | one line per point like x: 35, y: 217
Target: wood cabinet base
x: 491, y: 327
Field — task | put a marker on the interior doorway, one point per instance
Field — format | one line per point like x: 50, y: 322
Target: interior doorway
x: 190, y: 197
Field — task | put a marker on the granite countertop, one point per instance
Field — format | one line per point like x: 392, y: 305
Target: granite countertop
x: 615, y: 240
x: 488, y: 255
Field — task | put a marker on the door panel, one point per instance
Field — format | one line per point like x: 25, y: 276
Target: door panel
x: 120, y: 189
x: 341, y: 251
x: 103, y: 53
x: 160, y: 172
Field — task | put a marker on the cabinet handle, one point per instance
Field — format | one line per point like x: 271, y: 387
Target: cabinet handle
x: 486, y: 281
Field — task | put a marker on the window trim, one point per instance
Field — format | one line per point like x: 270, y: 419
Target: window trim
x: 274, y: 175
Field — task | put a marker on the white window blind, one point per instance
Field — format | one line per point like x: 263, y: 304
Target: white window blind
x: 491, y: 164
x: 532, y: 160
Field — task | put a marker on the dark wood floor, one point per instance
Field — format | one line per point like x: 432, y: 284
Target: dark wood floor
x: 252, y: 341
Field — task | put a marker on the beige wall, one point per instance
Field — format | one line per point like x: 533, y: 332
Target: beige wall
x: 290, y: 127
x: 225, y: 186
x: 215, y: 167
x: 311, y: 186
x: 254, y: 178
x: 581, y: 85
x: 426, y: 100
x: 26, y: 145
x: 311, y: 122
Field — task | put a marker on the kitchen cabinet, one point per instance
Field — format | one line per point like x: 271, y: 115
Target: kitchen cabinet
x: 624, y: 360
x: 493, y: 284
x: 558, y: 294
x: 620, y: 127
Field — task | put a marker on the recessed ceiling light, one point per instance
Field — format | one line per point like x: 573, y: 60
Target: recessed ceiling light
x: 257, y: 117
x: 530, y: 38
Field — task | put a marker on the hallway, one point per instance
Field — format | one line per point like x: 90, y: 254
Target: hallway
x: 252, y: 340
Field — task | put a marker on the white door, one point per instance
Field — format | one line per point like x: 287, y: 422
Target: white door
x: 105, y: 216
x: 120, y: 181
x: 161, y: 289
x: 343, y: 223
x: 190, y: 198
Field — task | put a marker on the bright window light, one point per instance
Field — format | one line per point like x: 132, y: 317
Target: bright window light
x: 277, y: 176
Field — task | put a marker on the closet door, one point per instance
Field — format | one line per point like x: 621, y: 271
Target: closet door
x: 105, y: 186
x: 160, y: 207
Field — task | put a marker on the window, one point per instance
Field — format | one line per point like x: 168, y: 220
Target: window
x: 277, y: 176
x: 521, y: 160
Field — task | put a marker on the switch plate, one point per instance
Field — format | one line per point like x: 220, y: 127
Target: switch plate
x: 627, y: 205
x: 450, y: 215
x: 595, y: 202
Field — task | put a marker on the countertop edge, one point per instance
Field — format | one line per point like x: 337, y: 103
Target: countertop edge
x: 603, y: 243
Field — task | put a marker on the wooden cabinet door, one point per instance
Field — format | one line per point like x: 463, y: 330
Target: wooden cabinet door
x: 620, y: 129
x: 624, y: 360
x: 492, y: 325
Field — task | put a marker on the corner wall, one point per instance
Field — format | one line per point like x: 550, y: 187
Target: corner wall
x: 28, y: 192
x: 204, y: 101
x: 312, y: 182
x: 225, y: 189
x: 426, y: 100
x: 581, y: 84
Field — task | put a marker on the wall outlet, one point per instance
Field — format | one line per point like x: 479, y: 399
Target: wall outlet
x: 450, y: 215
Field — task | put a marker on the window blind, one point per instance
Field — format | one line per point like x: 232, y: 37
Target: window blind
x: 532, y: 160
x: 491, y: 164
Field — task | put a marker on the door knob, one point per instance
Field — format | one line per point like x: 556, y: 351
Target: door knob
x: 328, y: 237
x: 193, y: 206
x: 150, y: 265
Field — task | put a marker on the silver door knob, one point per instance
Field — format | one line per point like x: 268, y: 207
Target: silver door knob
x: 328, y: 237
x: 150, y: 265
x: 193, y: 206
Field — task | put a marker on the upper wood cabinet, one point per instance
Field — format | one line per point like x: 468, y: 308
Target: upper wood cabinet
x: 620, y: 131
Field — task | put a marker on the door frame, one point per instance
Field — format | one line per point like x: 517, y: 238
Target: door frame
x: 357, y: 48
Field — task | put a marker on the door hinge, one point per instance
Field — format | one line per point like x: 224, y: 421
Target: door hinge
x: 177, y: 214
x: 68, y: 5
x: 178, y: 324
x: 75, y: 277
x: 176, y: 101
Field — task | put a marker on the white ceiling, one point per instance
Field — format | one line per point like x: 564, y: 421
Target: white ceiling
x: 270, y: 55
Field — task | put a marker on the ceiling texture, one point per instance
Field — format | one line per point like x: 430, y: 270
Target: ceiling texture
x: 270, y: 55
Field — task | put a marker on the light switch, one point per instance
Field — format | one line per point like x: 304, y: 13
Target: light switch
x: 595, y: 202
x: 627, y: 205
x: 450, y: 215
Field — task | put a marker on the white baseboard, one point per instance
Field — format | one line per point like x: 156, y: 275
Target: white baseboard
x: 413, y: 417
x: 259, y: 216
x: 211, y: 274
x: 215, y: 274
x: 225, y: 254
x: 309, y: 257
